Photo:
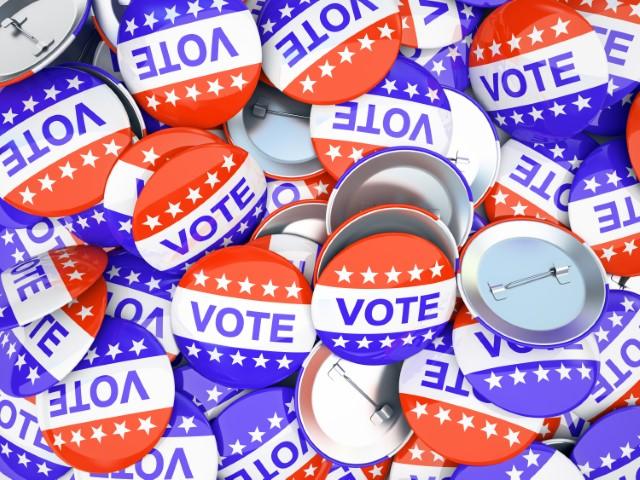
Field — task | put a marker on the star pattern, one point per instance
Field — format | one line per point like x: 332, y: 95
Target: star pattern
x: 615, y: 459
x: 146, y: 280
x: 27, y: 464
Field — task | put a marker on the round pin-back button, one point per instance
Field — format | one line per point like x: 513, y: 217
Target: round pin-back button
x: 407, y: 108
x: 379, y: 470
x: 25, y: 455
x: 241, y: 316
x: 34, y: 34
x: 63, y: 130
x: 550, y: 297
x: 603, y: 201
x: 11, y: 217
x: 112, y: 409
x: 133, y: 169
x: 107, y: 18
x: 284, y: 192
x: 449, y: 65
x: 536, y: 382
x: 609, y: 450
x: 535, y: 179
x: 304, y: 218
x: 300, y: 251
x: 45, y: 351
x: 541, y: 74
x: 261, y: 433
x: 410, y: 175
x: 619, y: 380
x: 618, y: 26
x: 254, y: 129
x: 143, y: 295
x: 415, y: 460
x: 475, y: 146
x: 449, y: 417
x: 388, y: 219
x: 187, y: 449
x: 633, y: 134
x: 21, y: 244
x: 133, y: 110
x: 189, y: 64
x: 539, y: 462
x: 92, y: 227
x: 384, y: 309
x: 34, y: 288
x: 326, y: 52
x: 210, y: 397
x: 207, y: 198
x: 426, y: 25
x: 611, y: 121
x: 350, y: 412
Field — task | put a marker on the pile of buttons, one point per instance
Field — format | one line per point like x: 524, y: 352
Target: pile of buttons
x: 320, y: 239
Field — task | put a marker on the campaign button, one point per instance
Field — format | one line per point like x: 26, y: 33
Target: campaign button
x: 536, y: 382
x: 535, y: 179
x: 189, y: 64
x: 300, y: 251
x: 618, y: 26
x: 618, y: 383
x: 11, y: 217
x: 384, y: 308
x: 210, y: 397
x: 284, y: 192
x: 417, y: 461
x: 539, y: 70
x: 92, y: 227
x: 24, y: 453
x: 63, y: 129
x: 257, y: 127
x: 133, y: 169
x: 379, y: 470
x: 304, y: 218
x: 33, y: 35
x: 112, y: 409
x: 45, y: 351
x: 350, y: 412
x: 242, y: 317
x: 567, y: 426
x: 449, y: 65
x: 451, y: 418
x: 413, y: 176
x: 475, y: 146
x: 259, y: 436
x: 107, y: 16
x: 141, y: 294
x: 326, y: 52
x: 34, y: 288
x: 633, y: 134
x: 187, y: 449
x: 516, y: 295
x: 182, y: 212
x: 603, y: 201
x: 610, y: 450
x: 407, y: 108
x: 435, y: 24
x: 611, y: 121
x: 539, y: 462
x: 21, y: 244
